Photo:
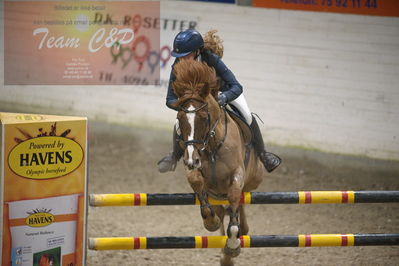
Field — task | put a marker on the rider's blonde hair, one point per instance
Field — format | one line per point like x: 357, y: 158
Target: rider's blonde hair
x: 213, y: 43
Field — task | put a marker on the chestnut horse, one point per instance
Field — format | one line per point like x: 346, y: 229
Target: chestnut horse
x: 215, y: 152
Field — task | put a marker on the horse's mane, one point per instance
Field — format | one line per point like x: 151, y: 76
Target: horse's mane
x: 194, y: 78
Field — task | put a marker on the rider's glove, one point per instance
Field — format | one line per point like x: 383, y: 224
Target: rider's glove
x: 222, y: 99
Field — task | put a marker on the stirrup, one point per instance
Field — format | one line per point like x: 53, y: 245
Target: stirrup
x: 167, y: 163
x: 270, y: 160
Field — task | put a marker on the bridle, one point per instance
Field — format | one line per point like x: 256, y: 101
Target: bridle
x: 211, y: 129
x: 210, y: 134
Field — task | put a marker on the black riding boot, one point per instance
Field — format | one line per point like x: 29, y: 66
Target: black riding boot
x: 269, y: 160
x: 168, y: 163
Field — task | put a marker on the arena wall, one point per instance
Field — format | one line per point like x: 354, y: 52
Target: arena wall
x: 322, y: 81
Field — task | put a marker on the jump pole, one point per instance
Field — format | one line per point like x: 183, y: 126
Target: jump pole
x: 301, y: 197
x: 312, y: 240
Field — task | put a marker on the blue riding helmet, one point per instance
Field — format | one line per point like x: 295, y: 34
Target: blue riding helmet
x: 186, y: 42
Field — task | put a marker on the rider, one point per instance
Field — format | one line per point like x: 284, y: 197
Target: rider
x: 189, y: 45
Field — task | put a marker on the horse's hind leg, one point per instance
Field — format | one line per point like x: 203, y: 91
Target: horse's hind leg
x: 220, y: 212
x: 225, y: 260
x: 244, y: 228
x: 210, y: 219
x: 233, y: 242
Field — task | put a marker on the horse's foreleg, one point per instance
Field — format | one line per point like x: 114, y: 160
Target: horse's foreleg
x: 211, y: 220
x: 232, y: 247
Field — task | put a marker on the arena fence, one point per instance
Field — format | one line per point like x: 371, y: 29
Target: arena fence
x: 190, y: 242
x: 301, y: 197
x: 313, y: 240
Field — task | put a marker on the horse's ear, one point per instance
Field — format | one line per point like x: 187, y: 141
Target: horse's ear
x: 205, y: 90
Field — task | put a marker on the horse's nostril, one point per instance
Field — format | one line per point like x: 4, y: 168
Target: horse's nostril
x: 197, y: 162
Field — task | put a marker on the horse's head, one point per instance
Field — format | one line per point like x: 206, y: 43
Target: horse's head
x: 193, y: 85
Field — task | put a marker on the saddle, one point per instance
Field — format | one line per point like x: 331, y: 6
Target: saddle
x: 242, y: 124
x: 246, y: 130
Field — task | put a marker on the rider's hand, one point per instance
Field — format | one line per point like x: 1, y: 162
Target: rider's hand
x: 222, y: 99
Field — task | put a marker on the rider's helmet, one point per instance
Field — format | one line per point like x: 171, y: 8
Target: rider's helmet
x: 186, y: 42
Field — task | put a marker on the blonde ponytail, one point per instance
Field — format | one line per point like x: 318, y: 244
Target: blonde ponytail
x: 213, y: 43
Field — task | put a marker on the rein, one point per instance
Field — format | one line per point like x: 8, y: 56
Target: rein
x: 212, y: 154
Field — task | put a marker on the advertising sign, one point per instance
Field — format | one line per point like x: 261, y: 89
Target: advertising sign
x: 44, y: 180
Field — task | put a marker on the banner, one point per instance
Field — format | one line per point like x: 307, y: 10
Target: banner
x: 77, y: 43
x: 360, y: 7
x: 218, y: 1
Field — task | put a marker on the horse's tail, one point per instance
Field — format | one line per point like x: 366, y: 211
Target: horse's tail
x: 213, y: 43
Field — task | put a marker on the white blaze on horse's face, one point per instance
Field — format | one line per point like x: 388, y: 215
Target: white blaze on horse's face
x: 190, y: 148
x: 192, y: 158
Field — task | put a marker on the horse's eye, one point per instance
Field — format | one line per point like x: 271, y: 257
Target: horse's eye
x: 203, y: 116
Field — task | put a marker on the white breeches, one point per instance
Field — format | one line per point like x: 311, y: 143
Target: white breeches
x: 241, y: 104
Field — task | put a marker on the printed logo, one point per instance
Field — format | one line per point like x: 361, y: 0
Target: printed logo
x: 45, y: 157
x: 39, y: 219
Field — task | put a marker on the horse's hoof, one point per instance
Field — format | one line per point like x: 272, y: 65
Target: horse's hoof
x: 232, y: 252
x: 226, y: 261
x: 213, y: 225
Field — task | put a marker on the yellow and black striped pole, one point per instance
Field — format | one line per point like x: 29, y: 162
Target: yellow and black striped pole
x: 301, y: 197
x: 312, y: 240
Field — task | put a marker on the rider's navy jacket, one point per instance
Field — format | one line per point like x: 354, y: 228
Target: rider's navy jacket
x: 230, y: 86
